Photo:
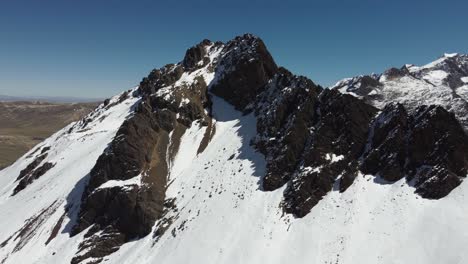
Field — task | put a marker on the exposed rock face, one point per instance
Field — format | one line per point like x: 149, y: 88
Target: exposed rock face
x: 427, y: 147
x: 243, y: 70
x: 336, y: 140
x: 195, y: 56
x: 385, y: 154
x: 310, y: 137
x: 33, y: 171
x: 159, y: 78
x: 393, y: 73
x: 362, y: 85
x: 137, y: 161
x: 127, y: 157
x: 437, y: 153
x: 101, y: 246
x: 38, y: 172
x: 39, y: 158
x: 129, y: 211
x: 285, y: 111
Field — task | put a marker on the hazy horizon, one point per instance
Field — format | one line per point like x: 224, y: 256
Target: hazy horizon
x: 98, y: 49
x: 50, y: 99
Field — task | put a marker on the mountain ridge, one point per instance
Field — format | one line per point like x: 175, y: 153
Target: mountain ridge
x: 225, y: 126
x: 442, y: 82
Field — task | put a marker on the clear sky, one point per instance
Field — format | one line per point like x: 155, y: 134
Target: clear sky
x: 98, y: 48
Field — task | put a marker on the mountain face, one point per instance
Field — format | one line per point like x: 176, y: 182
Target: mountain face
x: 225, y: 157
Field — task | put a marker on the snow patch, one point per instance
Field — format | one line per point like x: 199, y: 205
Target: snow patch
x: 332, y: 157
x: 450, y: 55
x: 462, y: 92
x: 124, y: 184
x: 184, y: 101
x: 436, y: 77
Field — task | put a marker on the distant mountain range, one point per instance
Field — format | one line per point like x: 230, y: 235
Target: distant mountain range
x: 442, y: 82
x: 50, y: 99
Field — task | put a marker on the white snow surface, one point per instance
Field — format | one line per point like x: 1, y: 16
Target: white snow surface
x: 463, y: 92
x: 436, y: 77
x: 135, y: 181
x: 223, y: 217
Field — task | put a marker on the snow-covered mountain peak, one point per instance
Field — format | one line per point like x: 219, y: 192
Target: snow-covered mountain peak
x: 450, y: 55
x: 225, y: 157
x: 450, y: 62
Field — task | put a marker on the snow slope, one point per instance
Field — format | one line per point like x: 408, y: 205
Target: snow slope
x: 28, y: 218
x: 224, y: 218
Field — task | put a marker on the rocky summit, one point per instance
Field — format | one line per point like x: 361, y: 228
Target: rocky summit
x: 226, y: 157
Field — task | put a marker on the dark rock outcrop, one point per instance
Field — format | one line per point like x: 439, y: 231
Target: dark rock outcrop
x: 393, y: 73
x: 195, y: 55
x: 127, y: 156
x: 159, y: 78
x: 35, y: 174
x: 140, y: 150
x: 438, y: 158
x: 285, y: 111
x: 385, y: 155
x: 310, y: 137
x: 33, y: 171
x: 245, y: 67
x: 428, y: 147
x: 101, y: 246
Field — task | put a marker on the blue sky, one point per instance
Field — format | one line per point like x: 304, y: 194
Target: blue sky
x: 99, y: 48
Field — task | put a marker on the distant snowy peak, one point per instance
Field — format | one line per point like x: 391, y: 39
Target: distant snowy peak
x: 447, y: 70
x: 450, y: 69
x: 441, y: 82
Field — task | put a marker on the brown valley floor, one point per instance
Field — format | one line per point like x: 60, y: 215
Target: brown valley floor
x: 25, y: 124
